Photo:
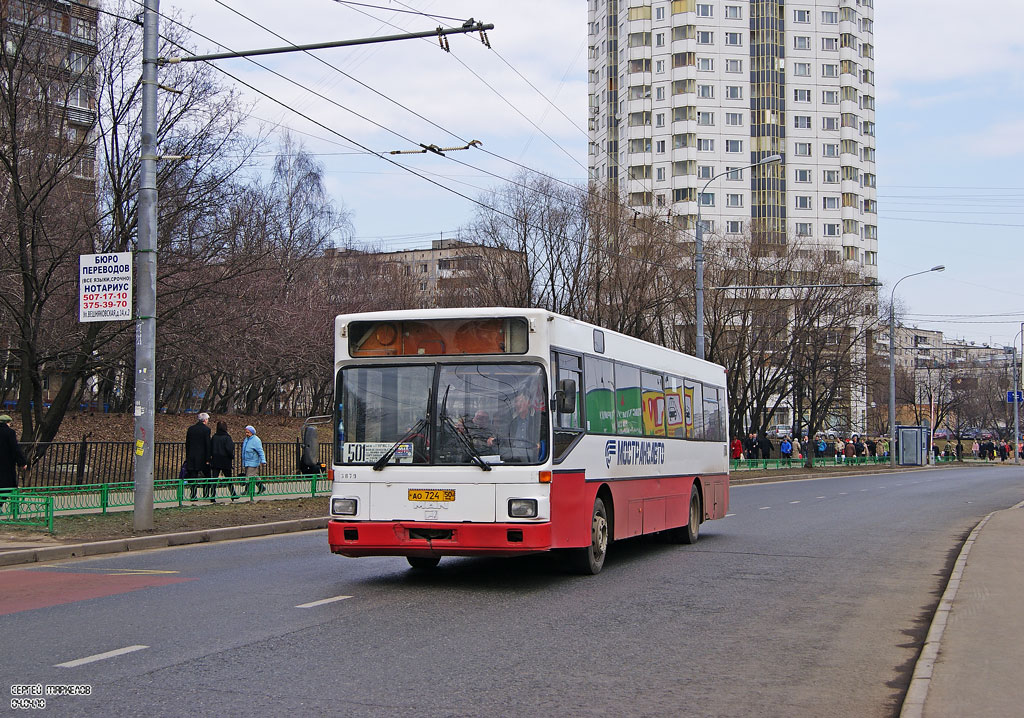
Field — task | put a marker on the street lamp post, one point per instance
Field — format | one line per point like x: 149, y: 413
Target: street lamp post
x: 699, y: 261
x: 892, y: 361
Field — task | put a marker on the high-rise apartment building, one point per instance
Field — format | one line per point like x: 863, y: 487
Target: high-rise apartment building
x: 683, y: 90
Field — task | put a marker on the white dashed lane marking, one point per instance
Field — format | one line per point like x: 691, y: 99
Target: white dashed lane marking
x: 794, y: 502
x: 100, y: 656
x: 322, y: 601
x: 764, y: 508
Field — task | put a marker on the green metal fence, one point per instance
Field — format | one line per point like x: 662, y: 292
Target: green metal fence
x: 29, y: 506
x: 818, y: 462
x: 19, y: 509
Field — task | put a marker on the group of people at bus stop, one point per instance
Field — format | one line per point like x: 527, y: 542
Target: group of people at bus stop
x: 209, y: 457
x: 759, y: 446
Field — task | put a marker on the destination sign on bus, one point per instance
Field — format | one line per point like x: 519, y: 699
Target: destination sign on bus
x: 367, y: 452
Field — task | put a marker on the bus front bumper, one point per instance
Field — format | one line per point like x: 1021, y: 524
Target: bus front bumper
x: 414, y: 538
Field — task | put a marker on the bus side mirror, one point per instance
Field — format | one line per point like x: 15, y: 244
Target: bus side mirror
x: 565, y: 397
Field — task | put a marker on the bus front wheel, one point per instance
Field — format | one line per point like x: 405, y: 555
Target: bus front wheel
x: 590, y: 559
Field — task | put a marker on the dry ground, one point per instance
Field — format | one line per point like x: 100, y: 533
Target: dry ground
x: 169, y: 427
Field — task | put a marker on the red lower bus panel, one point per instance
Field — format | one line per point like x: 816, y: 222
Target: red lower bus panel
x: 398, y: 538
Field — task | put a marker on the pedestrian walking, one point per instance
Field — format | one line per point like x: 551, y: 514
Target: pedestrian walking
x: 750, y: 446
x: 872, y: 447
x: 736, y: 448
x: 764, y: 444
x: 974, y: 449
x: 197, y: 458
x: 786, y: 447
x: 797, y: 447
x: 252, y: 456
x: 821, y: 448
x: 222, y: 458
x: 12, y: 458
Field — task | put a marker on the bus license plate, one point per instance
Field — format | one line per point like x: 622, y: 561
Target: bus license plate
x: 431, y: 494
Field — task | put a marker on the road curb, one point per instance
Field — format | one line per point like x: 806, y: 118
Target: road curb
x: 141, y: 543
x: 917, y: 693
x: 801, y: 477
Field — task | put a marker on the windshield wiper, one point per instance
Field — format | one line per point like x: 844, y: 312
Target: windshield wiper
x: 380, y: 463
x: 466, y: 441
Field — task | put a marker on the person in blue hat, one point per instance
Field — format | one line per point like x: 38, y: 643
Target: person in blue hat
x: 252, y: 456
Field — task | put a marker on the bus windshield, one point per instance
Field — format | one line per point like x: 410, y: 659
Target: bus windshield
x: 481, y: 413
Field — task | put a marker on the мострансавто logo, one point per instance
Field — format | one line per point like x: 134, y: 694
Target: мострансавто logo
x: 632, y: 452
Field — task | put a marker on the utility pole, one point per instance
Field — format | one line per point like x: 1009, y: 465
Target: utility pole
x: 145, y: 323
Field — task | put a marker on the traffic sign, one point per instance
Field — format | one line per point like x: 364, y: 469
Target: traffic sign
x: 1019, y: 397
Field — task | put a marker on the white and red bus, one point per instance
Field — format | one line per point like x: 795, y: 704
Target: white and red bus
x: 494, y: 431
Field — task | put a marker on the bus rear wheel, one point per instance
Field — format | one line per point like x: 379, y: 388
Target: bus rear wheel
x: 423, y: 562
x: 691, y: 532
x: 589, y: 560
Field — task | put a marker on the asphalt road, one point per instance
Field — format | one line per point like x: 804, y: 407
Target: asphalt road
x: 811, y: 599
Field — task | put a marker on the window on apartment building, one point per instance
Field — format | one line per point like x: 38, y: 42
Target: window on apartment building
x: 733, y: 12
x: 830, y: 44
x: 830, y: 69
x: 706, y: 92
x: 830, y: 97
x: 829, y: 17
x: 802, y: 201
x: 801, y: 42
x: 705, y: 10
x: 705, y: 144
x: 801, y: 69
x: 705, y: 37
x: 706, y: 118
x: 659, y: 92
x: 800, y: 95
x: 801, y: 16
x: 705, y: 64
x: 831, y: 229
x: 733, y: 92
x: 830, y: 123
x: 803, y: 229
x: 659, y: 119
x: 733, y: 200
x: 734, y: 66
x: 802, y: 149
x: 734, y: 119
x: 830, y: 177
x: 801, y: 122
x: 659, y: 147
x: 659, y: 39
x: 734, y: 39
x: 734, y: 146
x: 734, y: 226
x: 659, y: 67
x: 801, y: 175
x: 705, y: 171
x: 659, y: 174
x: 659, y: 13
x: 830, y: 149
x: 735, y: 174
x: 830, y: 202
x: 707, y: 199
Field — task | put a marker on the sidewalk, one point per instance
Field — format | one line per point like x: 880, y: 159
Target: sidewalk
x: 971, y: 664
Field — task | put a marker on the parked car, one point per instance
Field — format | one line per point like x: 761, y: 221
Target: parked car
x: 779, y: 430
x: 941, y: 434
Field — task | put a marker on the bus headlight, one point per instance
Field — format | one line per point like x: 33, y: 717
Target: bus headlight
x: 522, y: 508
x: 344, y: 507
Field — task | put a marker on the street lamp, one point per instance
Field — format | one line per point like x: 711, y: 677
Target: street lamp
x: 699, y: 262
x: 892, y: 361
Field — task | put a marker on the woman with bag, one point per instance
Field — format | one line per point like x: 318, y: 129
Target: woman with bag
x: 222, y: 459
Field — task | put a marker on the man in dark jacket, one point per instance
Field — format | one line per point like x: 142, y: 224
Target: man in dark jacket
x: 765, y: 445
x: 197, y: 458
x: 11, y: 458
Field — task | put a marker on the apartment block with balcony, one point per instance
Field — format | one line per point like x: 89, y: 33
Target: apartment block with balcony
x: 682, y: 90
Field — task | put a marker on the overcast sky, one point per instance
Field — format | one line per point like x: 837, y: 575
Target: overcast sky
x: 950, y: 126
